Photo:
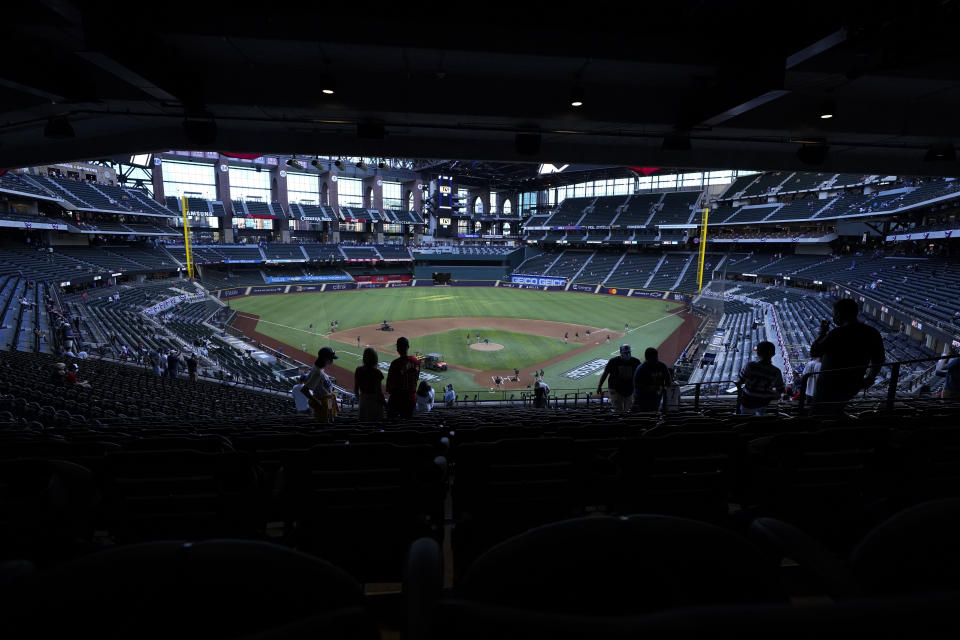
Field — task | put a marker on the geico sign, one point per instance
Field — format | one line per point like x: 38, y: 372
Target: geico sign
x: 539, y: 282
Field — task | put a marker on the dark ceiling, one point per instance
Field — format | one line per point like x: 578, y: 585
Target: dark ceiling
x: 744, y: 81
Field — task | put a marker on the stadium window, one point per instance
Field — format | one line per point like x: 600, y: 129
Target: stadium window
x: 691, y: 180
x: 463, y: 226
x: 507, y: 207
x: 477, y: 226
x: 506, y: 227
x: 410, y: 201
x: 493, y: 202
x: 667, y: 182
x: 182, y: 177
x: 249, y: 184
x: 478, y: 206
x: 645, y: 183
x: 303, y: 188
x: 392, y: 195
x: 349, y: 192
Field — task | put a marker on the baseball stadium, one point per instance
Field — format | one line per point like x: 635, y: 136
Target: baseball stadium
x: 379, y: 322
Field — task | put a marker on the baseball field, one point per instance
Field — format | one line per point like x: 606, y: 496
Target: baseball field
x: 481, y: 333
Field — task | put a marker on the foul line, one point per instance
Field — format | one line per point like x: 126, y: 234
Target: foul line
x: 286, y: 326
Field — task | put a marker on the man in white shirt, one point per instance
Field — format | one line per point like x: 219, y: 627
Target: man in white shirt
x: 812, y: 367
x: 449, y: 396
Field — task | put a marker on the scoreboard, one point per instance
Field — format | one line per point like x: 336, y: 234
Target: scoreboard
x: 445, y: 194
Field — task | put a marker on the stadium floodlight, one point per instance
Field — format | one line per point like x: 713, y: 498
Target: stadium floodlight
x: 292, y: 162
x: 316, y: 162
x: 941, y: 152
x: 381, y: 165
x: 328, y: 85
x: 338, y: 164
x: 362, y: 166
x: 576, y: 96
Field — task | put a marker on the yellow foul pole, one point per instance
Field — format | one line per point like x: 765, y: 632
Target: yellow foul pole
x: 186, y: 237
x: 703, y: 250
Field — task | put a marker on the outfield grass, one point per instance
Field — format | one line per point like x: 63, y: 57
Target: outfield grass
x: 287, y: 318
x: 519, y: 349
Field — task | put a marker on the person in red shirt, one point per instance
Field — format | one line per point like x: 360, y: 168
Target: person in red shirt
x: 367, y: 386
x: 402, y: 380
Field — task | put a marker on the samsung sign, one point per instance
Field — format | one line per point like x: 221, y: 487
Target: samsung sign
x: 539, y: 281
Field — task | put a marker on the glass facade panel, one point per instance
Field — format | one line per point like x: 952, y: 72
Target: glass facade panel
x: 303, y: 188
x: 350, y: 192
x: 189, y: 178
x: 392, y: 195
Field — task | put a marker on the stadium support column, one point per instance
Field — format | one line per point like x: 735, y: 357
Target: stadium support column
x: 278, y: 195
x: 222, y: 181
x: 156, y: 176
x: 328, y: 186
x: 373, y: 199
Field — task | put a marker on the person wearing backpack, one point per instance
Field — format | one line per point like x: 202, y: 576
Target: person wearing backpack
x: 760, y: 381
x: 318, y: 387
x: 402, y: 378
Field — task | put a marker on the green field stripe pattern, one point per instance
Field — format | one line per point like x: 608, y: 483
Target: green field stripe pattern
x: 519, y: 349
x: 287, y: 318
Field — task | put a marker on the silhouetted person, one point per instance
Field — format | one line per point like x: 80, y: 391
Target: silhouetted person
x: 845, y: 353
x: 649, y: 381
x: 760, y: 381
x: 402, y: 380
x: 620, y: 369
x: 367, y: 386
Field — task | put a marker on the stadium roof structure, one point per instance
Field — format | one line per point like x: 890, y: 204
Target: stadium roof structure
x: 679, y: 84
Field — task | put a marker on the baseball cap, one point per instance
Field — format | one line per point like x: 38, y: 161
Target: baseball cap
x: 326, y: 353
x: 625, y: 350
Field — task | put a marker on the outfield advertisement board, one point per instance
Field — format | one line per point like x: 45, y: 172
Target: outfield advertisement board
x: 264, y: 290
x: 538, y: 281
x: 583, y: 287
x: 340, y: 286
x: 230, y: 293
x: 614, y: 291
x: 280, y: 279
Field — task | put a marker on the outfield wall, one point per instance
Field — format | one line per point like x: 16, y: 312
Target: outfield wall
x: 258, y: 290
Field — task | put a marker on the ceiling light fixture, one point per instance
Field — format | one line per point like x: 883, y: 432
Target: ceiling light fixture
x: 828, y: 109
x: 941, y: 152
x: 292, y: 162
x: 361, y: 166
x: 338, y: 164
x: 316, y: 162
x: 327, y: 85
x: 576, y: 96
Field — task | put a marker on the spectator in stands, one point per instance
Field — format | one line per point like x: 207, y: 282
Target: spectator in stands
x: 449, y: 396
x: 368, y: 387
x: 318, y: 387
x: 846, y: 352
x: 540, y: 391
x: 402, y: 380
x: 649, y: 382
x: 192, y: 367
x: 760, y: 381
x: 620, y: 369
x: 173, y: 364
x: 811, y: 369
x: 72, y: 376
x: 950, y: 369
x: 425, y: 396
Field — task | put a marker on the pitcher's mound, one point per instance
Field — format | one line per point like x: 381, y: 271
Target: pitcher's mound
x: 483, y: 346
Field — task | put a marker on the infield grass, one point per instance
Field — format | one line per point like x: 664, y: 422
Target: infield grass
x: 519, y: 349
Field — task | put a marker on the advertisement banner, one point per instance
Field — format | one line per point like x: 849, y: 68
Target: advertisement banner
x: 230, y: 293
x: 614, y: 291
x: 231, y: 261
x: 279, y: 279
x: 254, y: 291
x: 345, y: 286
x: 539, y: 281
x: 398, y: 284
x: 583, y: 287
x: 647, y: 294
